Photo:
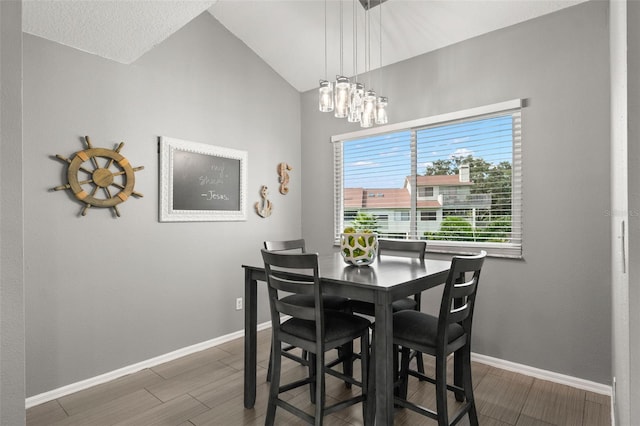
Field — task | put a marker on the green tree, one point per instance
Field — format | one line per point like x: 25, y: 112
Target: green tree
x: 487, y: 178
x: 496, y: 232
x: 441, y: 167
x: 364, y: 221
x: 453, y: 228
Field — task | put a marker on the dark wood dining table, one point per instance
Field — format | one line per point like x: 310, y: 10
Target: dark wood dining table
x: 386, y: 280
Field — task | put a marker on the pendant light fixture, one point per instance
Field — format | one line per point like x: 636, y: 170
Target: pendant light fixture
x: 356, y: 90
x: 325, y: 95
x: 349, y: 99
x: 342, y: 83
x: 381, y: 102
x: 368, y: 117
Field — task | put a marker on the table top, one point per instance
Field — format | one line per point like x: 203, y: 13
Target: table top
x: 385, y: 274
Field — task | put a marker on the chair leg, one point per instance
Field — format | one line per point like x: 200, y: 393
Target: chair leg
x: 275, y: 383
x: 270, y: 361
x: 403, y: 390
x: 319, y: 388
x: 458, y: 368
x: 420, y: 363
x: 313, y: 360
x: 346, y: 351
x: 441, y: 389
x: 468, y: 386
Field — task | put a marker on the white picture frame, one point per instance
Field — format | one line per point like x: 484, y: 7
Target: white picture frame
x: 201, y: 182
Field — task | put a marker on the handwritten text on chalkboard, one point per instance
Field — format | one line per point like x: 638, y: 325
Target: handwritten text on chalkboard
x: 205, y: 182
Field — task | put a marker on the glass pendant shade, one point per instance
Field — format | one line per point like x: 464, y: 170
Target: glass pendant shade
x: 356, y: 93
x: 341, y: 106
x: 381, y: 111
x: 368, y: 117
x: 325, y: 96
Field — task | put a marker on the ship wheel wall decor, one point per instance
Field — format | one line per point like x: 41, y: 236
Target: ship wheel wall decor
x: 94, y: 188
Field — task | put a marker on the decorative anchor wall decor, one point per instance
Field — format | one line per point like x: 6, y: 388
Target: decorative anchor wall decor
x: 264, y: 206
x: 100, y: 177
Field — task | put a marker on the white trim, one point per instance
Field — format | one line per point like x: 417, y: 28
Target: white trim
x: 484, y: 359
x: 112, y: 375
x: 538, y: 373
x: 440, y: 118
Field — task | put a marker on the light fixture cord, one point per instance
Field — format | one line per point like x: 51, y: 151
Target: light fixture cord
x: 355, y: 41
x: 368, y: 35
x: 380, y: 71
x: 325, y: 39
x: 341, y: 38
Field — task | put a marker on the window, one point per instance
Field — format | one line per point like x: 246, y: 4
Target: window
x: 428, y: 215
x: 381, y: 217
x: 425, y: 191
x: 471, y: 159
x: 402, y: 216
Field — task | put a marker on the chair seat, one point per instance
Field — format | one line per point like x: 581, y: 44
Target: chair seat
x: 337, y: 326
x: 335, y: 303
x: 367, y: 308
x: 421, y: 329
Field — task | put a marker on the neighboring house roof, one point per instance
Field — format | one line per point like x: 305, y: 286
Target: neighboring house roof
x: 382, y: 198
x: 439, y: 180
x: 352, y: 197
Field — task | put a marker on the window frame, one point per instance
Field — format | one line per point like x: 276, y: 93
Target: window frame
x: 428, y: 215
x: 514, y: 107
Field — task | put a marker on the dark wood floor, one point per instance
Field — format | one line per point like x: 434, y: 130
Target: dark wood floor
x: 205, y: 388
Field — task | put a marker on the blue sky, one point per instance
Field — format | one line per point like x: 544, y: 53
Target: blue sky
x: 384, y: 161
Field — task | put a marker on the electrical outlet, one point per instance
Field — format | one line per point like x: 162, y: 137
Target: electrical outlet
x: 239, y: 304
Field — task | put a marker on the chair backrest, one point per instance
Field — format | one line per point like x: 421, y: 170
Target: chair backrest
x: 404, y: 248
x: 459, y: 295
x: 280, y: 270
x: 287, y: 245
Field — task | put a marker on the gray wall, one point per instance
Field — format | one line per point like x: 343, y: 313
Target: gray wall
x: 103, y: 293
x: 12, y: 382
x: 633, y: 58
x: 552, y: 309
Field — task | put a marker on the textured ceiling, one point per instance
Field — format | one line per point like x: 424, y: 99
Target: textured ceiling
x: 121, y: 30
x: 287, y: 34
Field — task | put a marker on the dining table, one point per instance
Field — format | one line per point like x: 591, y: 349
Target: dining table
x: 385, y: 280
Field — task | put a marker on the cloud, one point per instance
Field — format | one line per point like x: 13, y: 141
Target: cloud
x: 461, y: 152
x: 363, y: 163
x: 461, y: 140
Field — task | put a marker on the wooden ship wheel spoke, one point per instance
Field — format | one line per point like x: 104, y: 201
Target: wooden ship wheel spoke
x: 115, y: 172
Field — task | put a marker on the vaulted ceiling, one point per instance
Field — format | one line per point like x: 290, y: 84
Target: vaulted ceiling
x: 289, y: 35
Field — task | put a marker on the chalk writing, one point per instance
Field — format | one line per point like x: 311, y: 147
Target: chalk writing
x: 205, y: 182
x: 212, y: 195
x: 216, y: 179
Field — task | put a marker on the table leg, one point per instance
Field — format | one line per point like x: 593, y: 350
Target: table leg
x: 384, y: 362
x: 250, y: 338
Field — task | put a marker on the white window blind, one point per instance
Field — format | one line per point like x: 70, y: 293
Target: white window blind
x: 468, y: 162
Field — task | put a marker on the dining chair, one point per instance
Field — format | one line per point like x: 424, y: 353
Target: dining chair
x: 399, y: 248
x: 330, y: 302
x: 311, y: 328
x: 441, y: 336
x: 403, y: 248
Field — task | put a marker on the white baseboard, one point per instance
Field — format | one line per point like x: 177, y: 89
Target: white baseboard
x: 544, y: 374
x: 134, y: 368
x: 112, y: 375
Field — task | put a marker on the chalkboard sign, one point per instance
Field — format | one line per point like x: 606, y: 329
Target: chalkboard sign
x: 201, y: 182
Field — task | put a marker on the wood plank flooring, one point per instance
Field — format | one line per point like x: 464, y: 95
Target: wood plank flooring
x: 206, y: 388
